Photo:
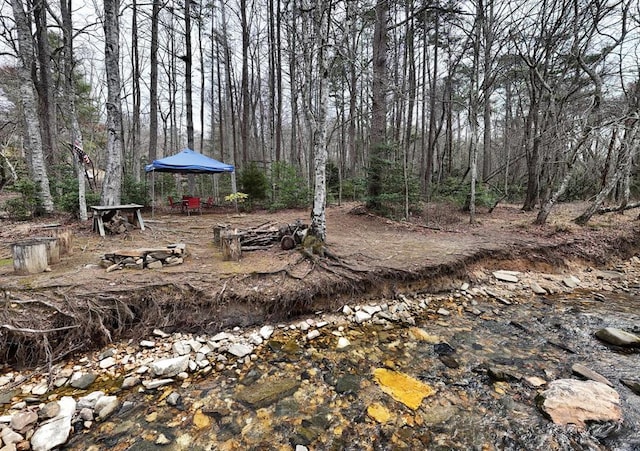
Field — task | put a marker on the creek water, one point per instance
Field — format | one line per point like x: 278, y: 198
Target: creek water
x: 476, y: 361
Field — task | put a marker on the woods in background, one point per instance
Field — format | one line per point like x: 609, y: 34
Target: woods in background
x: 391, y: 103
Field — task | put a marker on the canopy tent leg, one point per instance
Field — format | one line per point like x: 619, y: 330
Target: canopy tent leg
x: 234, y: 189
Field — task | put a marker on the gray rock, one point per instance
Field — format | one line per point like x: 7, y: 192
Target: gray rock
x: 50, y: 410
x: 84, y: 381
x: 174, y: 399
x: 571, y: 281
x: 107, y: 363
x: 265, y: 393
x: 506, y: 276
x: 21, y: 421
x: 443, y: 311
x: 221, y: 336
x: 106, y: 405
x: 537, y: 289
x: 90, y: 400
x: 618, y: 337
x: 86, y: 414
x: 170, y: 367
x: 570, y: 401
x: 634, y: 386
x: 588, y: 373
x: 156, y: 383
x: 55, y: 432
x: 130, y: 382
x: 10, y: 436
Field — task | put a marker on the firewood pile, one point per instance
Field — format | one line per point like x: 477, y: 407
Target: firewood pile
x: 118, y: 224
x: 265, y: 235
x: 145, y: 258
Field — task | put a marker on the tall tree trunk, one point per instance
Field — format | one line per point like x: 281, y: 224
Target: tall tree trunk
x: 379, y: 104
x: 70, y: 95
x: 137, y: 95
x: 188, y: 85
x: 244, y: 90
x: 431, y: 143
x: 153, y: 83
x: 44, y: 83
x: 33, y: 140
x: 112, y: 185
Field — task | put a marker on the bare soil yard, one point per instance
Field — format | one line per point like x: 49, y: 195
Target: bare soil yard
x: 79, y: 305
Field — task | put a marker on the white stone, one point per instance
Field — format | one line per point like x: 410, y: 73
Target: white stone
x: 160, y: 333
x: 347, y: 310
x: 266, y: 332
x: 181, y: 348
x: 155, y: 383
x: 362, y: 316
x: 240, y: 350
x: 343, y: 343
x: 506, y: 276
x: 372, y: 309
x: 40, y: 389
x: 148, y: 344
x: 315, y: 333
x: 221, y: 336
x: 321, y: 324
x: 170, y: 367
x: 55, y: 432
x: 571, y: 281
x: 255, y: 339
x: 106, y: 406
x: 90, y: 400
x: 464, y: 286
x: 10, y: 437
x: 107, y: 363
x: 570, y: 401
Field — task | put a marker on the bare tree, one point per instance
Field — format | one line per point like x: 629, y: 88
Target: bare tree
x: 27, y: 96
x: 112, y: 185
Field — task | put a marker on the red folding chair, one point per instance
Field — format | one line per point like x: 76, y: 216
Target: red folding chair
x: 193, y: 203
x: 173, y: 204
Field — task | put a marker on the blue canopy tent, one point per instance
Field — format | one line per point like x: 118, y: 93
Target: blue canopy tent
x: 189, y: 162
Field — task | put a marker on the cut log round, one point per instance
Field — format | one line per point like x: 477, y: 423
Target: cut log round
x: 231, y: 249
x: 29, y: 256
x: 287, y: 243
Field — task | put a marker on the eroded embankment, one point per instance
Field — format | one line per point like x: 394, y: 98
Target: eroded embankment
x: 45, y: 325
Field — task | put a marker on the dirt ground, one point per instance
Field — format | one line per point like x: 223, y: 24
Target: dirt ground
x: 80, y: 304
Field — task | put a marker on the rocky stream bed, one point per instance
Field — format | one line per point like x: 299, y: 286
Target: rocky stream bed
x: 516, y: 361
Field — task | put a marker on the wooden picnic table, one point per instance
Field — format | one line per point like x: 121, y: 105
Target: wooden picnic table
x: 103, y: 213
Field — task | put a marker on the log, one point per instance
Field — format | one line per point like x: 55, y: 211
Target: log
x: 287, y: 243
x: 29, y: 256
x: 231, y: 249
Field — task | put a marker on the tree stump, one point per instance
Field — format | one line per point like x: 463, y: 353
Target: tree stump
x: 64, y: 236
x: 231, y: 248
x: 29, y: 256
x: 53, y: 251
x: 217, y: 232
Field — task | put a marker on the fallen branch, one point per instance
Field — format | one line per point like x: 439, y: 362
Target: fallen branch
x: 604, y: 210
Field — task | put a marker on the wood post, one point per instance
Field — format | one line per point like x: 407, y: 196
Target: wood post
x: 30, y: 256
x: 231, y: 249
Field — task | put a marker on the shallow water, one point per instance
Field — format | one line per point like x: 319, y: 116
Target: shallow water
x: 475, y: 363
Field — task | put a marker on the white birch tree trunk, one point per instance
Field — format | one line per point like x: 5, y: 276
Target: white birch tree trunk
x: 112, y: 185
x: 33, y: 139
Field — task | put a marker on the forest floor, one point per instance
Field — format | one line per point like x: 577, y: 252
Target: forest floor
x: 78, y: 304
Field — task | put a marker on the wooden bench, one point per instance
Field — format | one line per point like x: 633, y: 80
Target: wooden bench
x: 102, y: 213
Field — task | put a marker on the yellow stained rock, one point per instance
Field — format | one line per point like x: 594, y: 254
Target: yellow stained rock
x: 402, y: 388
x: 379, y: 412
x: 421, y: 335
x: 201, y: 420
